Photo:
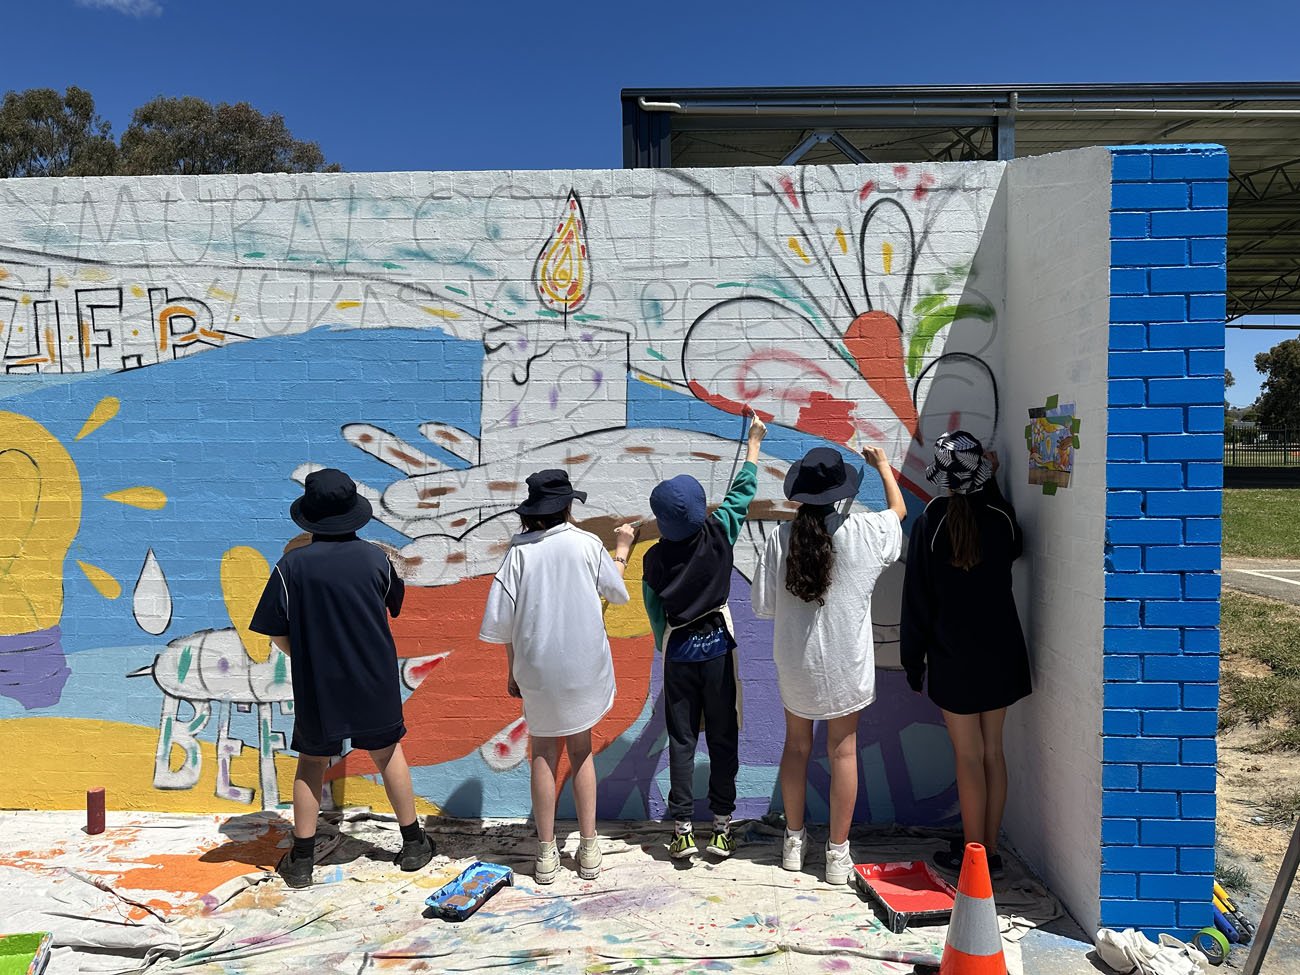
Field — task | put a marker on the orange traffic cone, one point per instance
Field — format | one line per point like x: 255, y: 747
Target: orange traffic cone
x: 974, y: 945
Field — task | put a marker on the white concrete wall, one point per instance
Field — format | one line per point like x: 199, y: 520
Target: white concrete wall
x: 1055, y: 336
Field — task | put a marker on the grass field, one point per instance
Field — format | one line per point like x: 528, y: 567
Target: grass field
x: 1264, y: 523
x: 1261, y: 669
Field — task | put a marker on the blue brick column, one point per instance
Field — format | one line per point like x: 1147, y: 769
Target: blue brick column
x: 1164, y: 476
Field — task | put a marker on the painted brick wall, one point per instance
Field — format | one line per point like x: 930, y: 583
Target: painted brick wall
x: 1164, y: 498
x: 178, y: 353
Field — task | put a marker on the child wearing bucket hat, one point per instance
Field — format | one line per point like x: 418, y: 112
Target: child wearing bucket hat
x: 686, y: 581
x: 961, y: 629
x: 326, y: 605
x: 815, y: 578
x: 545, y: 606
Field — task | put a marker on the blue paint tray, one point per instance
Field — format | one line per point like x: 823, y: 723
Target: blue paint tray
x: 459, y: 899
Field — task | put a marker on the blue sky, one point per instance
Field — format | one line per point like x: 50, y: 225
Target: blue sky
x: 414, y: 84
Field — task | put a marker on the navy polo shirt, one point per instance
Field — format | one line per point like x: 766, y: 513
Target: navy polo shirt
x: 332, y: 599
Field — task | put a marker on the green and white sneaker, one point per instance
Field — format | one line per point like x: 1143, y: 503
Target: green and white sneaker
x: 683, y: 844
x: 722, y: 843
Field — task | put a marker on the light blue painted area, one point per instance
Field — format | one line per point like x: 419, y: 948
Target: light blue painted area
x: 268, y: 411
x: 100, y: 689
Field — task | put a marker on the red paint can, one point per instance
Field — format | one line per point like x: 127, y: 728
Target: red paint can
x: 95, y: 811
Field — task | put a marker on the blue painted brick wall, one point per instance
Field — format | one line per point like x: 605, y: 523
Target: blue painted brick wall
x: 1163, y: 465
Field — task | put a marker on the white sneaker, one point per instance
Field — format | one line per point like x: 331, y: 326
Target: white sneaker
x: 589, y: 857
x: 547, y: 867
x: 794, y: 851
x: 839, y: 864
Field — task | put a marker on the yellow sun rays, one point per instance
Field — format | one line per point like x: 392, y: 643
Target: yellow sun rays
x: 150, y: 499
x: 140, y: 496
x: 104, y: 411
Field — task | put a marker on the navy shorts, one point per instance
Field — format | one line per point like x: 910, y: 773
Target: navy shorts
x: 373, y: 742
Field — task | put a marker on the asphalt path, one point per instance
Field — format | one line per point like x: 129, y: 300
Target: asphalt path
x: 1275, y: 578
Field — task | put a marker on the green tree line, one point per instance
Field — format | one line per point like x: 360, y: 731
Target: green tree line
x: 45, y: 133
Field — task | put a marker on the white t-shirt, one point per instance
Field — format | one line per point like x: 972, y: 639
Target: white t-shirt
x: 825, y: 657
x: 545, y: 602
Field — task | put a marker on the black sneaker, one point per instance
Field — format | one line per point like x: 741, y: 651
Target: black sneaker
x: 296, y: 873
x: 948, y: 860
x: 952, y: 861
x: 416, y: 853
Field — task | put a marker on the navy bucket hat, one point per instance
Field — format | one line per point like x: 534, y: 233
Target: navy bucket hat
x: 679, y: 507
x: 822, y: 477
x: 330, y: 504
x: 549, y: 491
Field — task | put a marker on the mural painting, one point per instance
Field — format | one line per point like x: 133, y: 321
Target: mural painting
x: 169, y: 382
x: 1052, y: 437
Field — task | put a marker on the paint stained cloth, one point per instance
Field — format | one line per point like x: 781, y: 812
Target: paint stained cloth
x: 960, y: 627
x: 825, y: 654
x: 332, y: 599
x: 545, y: 602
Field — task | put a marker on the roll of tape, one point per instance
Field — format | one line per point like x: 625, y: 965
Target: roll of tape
x: 1212, y: 944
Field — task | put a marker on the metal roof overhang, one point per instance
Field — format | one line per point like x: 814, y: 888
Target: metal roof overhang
x: 1258, y: 123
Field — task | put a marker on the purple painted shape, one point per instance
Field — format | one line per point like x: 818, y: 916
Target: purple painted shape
x: 762, y: 737
x: 522, y: 344
x: 33, y: 668
x: 597, y: 379
x: 555, y: 396
x: 513, y: 417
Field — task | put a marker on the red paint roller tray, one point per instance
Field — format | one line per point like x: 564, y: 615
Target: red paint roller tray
x: 911, y: 893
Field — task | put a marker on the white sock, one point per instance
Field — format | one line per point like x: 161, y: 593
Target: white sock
x: 841, y: 848
x: 588, y: 840
x: 685, y: 826
x: 721, y: 822
x: 799, y: 835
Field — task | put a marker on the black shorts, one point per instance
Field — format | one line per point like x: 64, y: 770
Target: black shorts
x: 373, y: 742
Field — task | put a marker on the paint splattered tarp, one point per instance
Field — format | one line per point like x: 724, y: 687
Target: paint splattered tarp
x: 194, y: 894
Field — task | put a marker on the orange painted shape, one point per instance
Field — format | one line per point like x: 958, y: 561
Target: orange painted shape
x: 827, y: 416
x: 725, y: 404
x: 164, y: 323
x: 876, y: 345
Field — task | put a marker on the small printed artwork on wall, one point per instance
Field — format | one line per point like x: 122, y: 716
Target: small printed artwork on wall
x: 1052, y: 437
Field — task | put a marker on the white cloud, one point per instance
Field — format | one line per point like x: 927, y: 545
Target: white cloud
x: 132, y: 8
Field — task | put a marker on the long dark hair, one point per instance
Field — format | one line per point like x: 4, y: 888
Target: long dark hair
x: 541, y: 523
x: 963, y: 533
x: 808, y: 567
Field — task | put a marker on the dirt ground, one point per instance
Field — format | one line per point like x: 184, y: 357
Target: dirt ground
x: 1248, y: 841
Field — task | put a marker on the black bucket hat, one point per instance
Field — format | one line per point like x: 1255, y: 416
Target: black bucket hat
x: 959, y: 463
x: 330, y: 504
x: 549, y: 492
x: 822, y: 477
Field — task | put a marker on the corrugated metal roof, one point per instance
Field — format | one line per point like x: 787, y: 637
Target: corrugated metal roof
x: 1258, y: 123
